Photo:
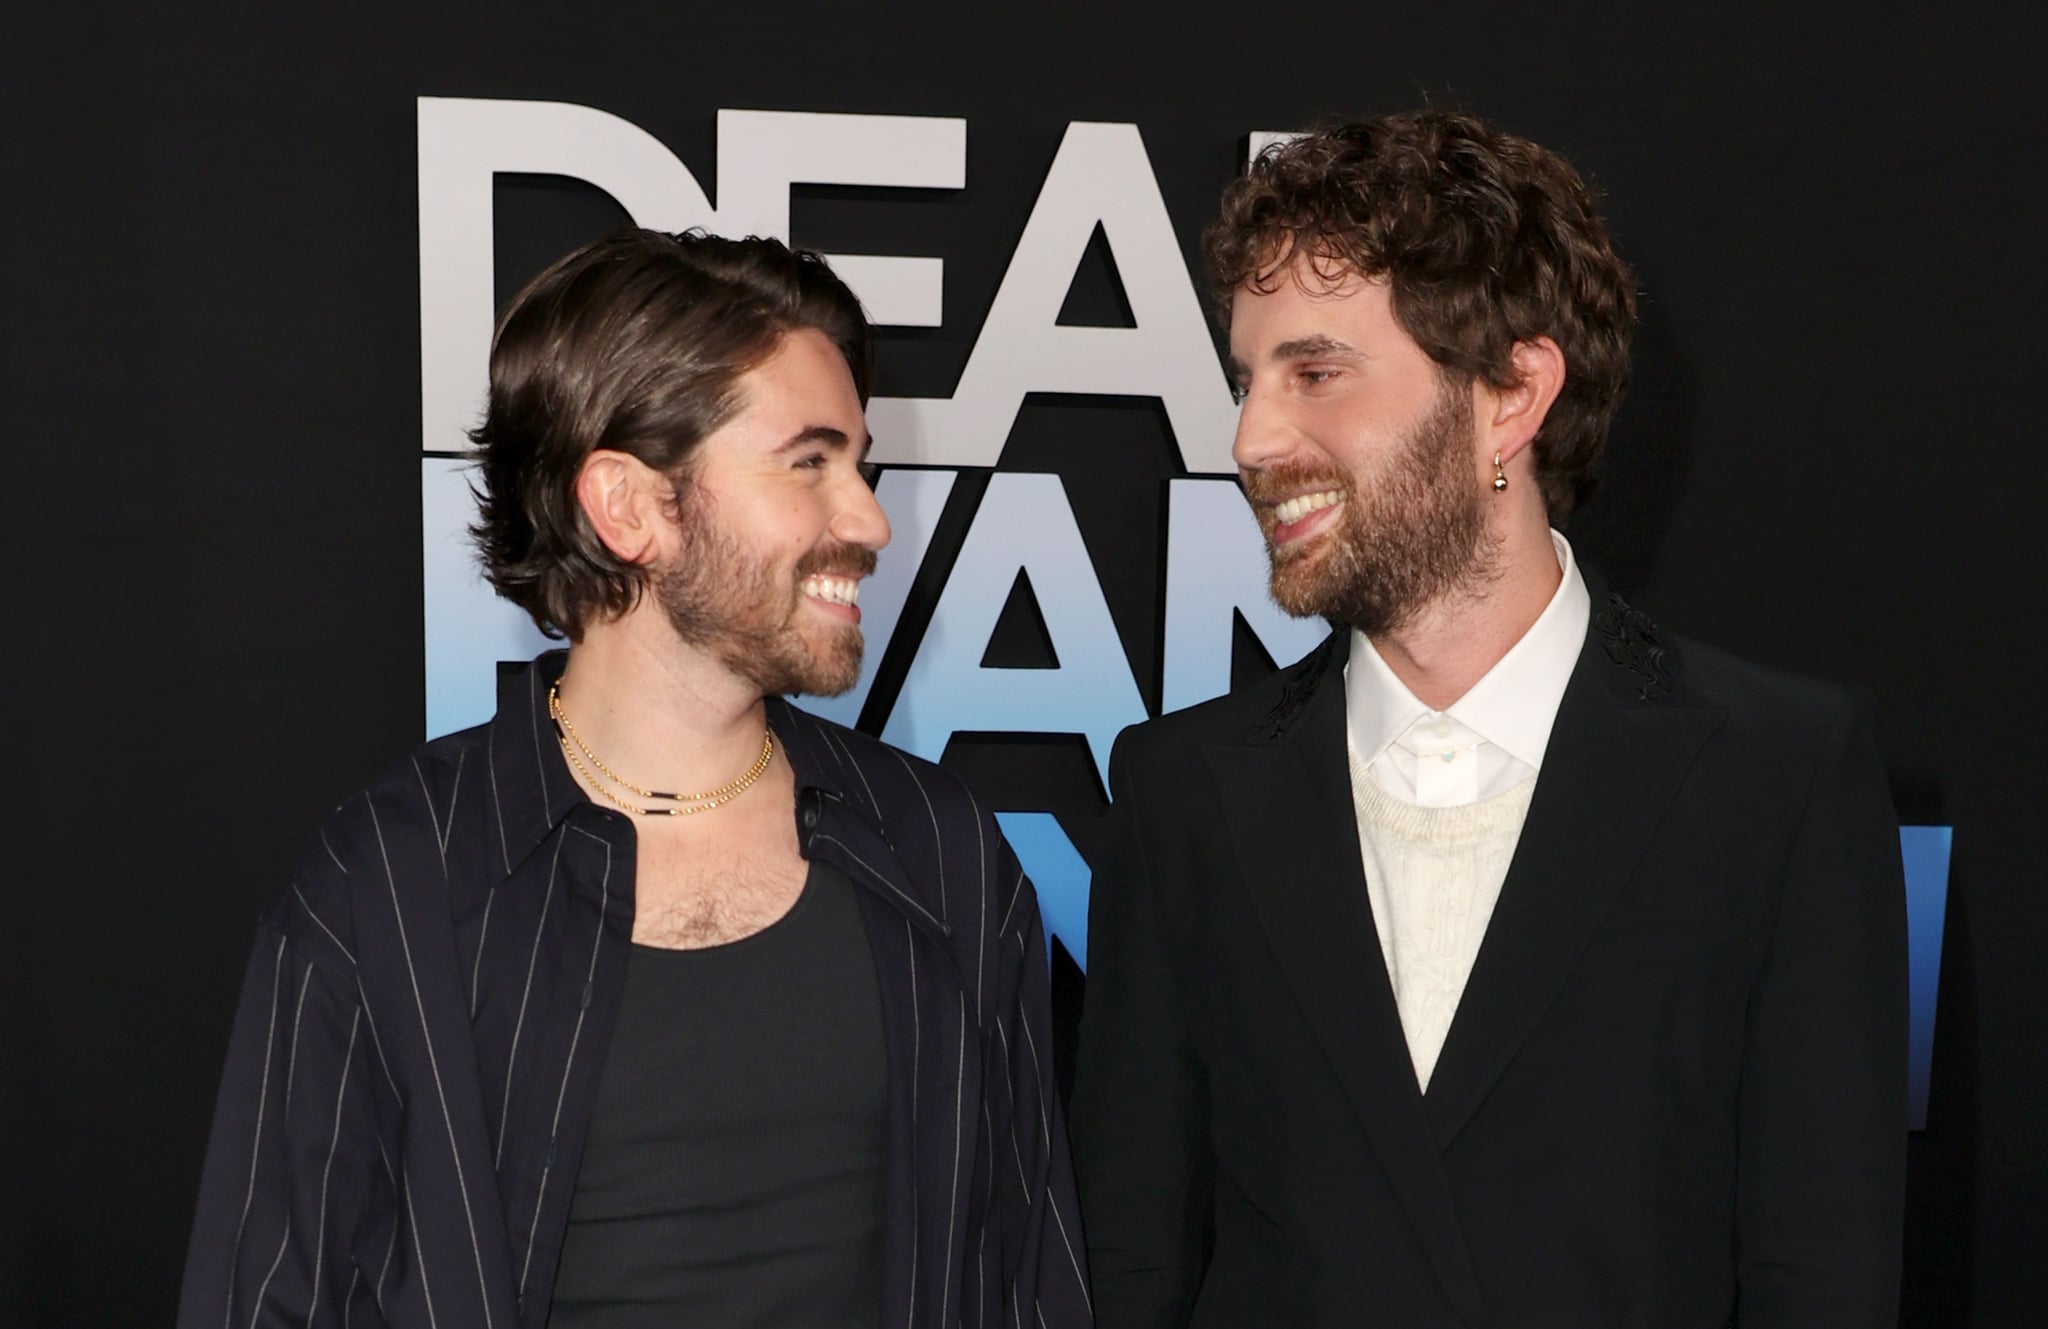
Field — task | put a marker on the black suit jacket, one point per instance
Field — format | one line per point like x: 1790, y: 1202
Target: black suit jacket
x: 1674, y: 1091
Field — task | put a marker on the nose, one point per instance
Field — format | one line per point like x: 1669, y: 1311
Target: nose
x: 860, y: 519
x: 1262, y: 437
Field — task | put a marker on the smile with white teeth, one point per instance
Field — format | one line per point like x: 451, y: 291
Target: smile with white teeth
x: 1294, y: 509
x: 832, y: 590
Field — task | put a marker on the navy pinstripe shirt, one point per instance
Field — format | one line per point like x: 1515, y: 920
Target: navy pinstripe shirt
x: 416, y: 1054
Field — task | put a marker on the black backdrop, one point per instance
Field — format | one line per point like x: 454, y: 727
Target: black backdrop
x: 212, y: 423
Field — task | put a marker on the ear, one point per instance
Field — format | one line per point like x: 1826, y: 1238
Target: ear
x: 624, y: 500
x: 1516, y: 414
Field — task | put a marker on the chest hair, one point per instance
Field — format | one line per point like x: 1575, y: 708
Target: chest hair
x: 697, y: 886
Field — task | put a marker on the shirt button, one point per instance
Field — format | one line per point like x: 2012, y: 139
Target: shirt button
x: 810, y: 819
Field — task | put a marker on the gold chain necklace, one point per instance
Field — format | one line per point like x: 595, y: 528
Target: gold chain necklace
x: 572, y: 743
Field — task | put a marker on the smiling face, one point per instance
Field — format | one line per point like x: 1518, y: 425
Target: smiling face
x: 1357, y: 451
x: 778, y: 526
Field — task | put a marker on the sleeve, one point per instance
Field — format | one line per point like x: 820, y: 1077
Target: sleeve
x: 1821, y: 1182
x: 1142, y: 1149
x: 1044, y: 1281
x: 292, y: 1151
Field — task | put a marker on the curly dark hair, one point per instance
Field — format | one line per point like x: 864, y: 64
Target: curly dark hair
x: 1486, y: 239
x: 634, y: 343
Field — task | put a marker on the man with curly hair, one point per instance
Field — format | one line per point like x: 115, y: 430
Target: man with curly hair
x: 654, y: 1001
x: 1508, y: 961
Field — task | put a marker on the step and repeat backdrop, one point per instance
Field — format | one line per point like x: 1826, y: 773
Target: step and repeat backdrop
x: 252, y: 264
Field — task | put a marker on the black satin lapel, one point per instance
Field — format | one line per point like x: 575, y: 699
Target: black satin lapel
x: 1295, y: 833
x: 1614, y: 762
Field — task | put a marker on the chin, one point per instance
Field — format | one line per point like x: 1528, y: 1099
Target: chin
x: 1301, y: 592
x: 826, y: 669
x: 1307, y: 606
x: 833, y: 683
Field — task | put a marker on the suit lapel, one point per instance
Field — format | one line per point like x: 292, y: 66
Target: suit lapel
x: 1623, y: 741
x: 1295, y: 835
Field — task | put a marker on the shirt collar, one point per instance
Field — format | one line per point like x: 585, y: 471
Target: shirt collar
x: 530, y: 782
x: 1512, y: 707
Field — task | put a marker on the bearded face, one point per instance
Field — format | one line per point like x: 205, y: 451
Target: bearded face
x: 1409, y: 531
x: 733, y: 600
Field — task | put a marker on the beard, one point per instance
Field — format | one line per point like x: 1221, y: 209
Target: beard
x: 1405, y: 538
x: 727, y: 599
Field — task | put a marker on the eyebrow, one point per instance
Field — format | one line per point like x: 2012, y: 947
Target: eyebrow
x: 1298, y: 348
x: 825, y: 434
x: 1317, y: 344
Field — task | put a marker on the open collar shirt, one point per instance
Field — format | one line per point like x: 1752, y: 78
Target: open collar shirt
x: 416, y: 1054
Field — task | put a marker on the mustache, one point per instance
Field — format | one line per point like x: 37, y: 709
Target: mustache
x: 1271, y: 484
x: 837, y: 559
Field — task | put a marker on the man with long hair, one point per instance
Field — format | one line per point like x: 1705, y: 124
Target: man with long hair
x: 1509, y: 960
x: 654, y: 1001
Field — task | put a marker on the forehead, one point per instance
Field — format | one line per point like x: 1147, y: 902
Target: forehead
x: 1302, y: 300
x: 803, y: 380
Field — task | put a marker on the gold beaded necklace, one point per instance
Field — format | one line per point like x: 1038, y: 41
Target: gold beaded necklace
x: 573, y: 744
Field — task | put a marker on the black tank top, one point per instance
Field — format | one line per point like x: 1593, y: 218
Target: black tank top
x: 733, y: 1175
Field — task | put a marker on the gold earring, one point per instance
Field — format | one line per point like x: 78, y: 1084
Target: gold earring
x: 1500, y: 477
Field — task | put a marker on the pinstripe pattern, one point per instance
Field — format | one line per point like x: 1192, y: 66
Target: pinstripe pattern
x: 470, y: 943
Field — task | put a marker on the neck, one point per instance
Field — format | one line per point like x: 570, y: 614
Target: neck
x: 658, y: 712
x: 1452, y: 642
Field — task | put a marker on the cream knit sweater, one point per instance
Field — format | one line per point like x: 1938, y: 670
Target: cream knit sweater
x: 1433, y: 875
